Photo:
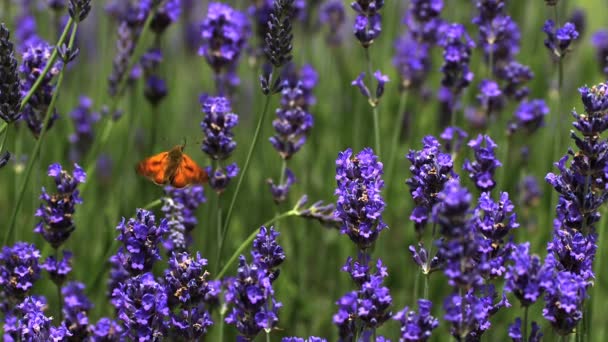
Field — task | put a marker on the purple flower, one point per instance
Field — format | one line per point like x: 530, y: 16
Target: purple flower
x: 453, y: 136
x: 430, y: 169
x: 58, y: 269
x: 19, y: 270
x: 457, y: 46
x: 293, y: 123
x: 324, y: 213
x: 267, y: 254
x: 526, y: 276
x: 572, y: 251
x: 516, y: 335
x: 83, y: 119
x: 299, y: 339
x: 417, y: 326
x: 280, y: 192
x: 490, y: 96
x: 360, y: 83
x: 76, y: 307
x: 10, y: 96
x: 529, y: 116
x: 29, y: 323
x: 558, y: 41
x: 225, y: 32
x: 360, y: 203
x: 382, y: 80
x: 515, y: 75
x: 140, y: 237
x: 56, y: 216
x: 421, y: 258
x: 141, y: 306
x: 422, y: 20
x: 499, y: 35
x: 190, y: 291
x: 333, y: 15
x: 179, y: 207
x: 165, y: 15
x: 469, y: 315
x: 34, y: 60
x: 118, y: 275
x: 599, y: 40
x: 412, y: 61
x: 368, y: 23
x: 530, y: 192
x: 564, y: 301
x: 482, y: 169
x: 79, y: 9
x: 250, y: 297
x: 217, y: 126
x: 220, y: 178
x: 106, y: 330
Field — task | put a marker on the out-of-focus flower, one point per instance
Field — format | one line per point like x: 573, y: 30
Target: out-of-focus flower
x: 417, y: 326
x: 56, y: 215
x: 516, y: 335
x: 280, y: 192
x: 10, y: 96
x: 83, y: 119
x: 333, y: 15
x: 600, y: 42
x: 558, y: 41
x: 526, y: 276
x: 76, y: 307
x: 360, y: 203
x: 529, y: 116
x: 165, y: 15
x: 179, y: 207
x: 515, y: 75
x: 58, y: 269
x: 452, y: 139
x: 220, y: 178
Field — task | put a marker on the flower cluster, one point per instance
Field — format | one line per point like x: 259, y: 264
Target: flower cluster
x: 165, y: 15
x: 10, y: 96
x: 558, y: 41
x: 83, y: 119
x: 189, y: 290
x: 140, y: 237
x: 430, y: 169
x: 417, y: 326
x: 333, y: 15
x: 19, y: 270
x: 56, y: 215
x: 526, y: 276
x: 29, y: 323
x: 35, y: 59
x: 360, y: 204
x: 75, y: 310
x: 529, y: 116
x: 368, y: 23
x: 58, y: 269
x: 179, y: 207
x: 499, y: 35
x: 482, y: 169
x: 279, y: 37
x: 381, y: 80
x: 600, y: 42
x: 217, y: 126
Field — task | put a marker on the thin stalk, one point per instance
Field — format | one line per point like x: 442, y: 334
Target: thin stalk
x: 525, y: 324
x: 395, y: 136
x: 426, y: 285
x: 416, y: 282
x: 374, y: 104
x: 222, y: 313
x: 267, y: 336
x: 250, y: 239
x: 3, y: 130
x: 38, y: 145
x: 256, y: 136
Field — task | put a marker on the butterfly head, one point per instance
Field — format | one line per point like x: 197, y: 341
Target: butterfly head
x: 175, y: 154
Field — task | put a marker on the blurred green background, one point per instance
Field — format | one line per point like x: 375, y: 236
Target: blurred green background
x: 311, y: 280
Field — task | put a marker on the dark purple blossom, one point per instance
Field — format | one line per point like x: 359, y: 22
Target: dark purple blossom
x: 515, y: 75
x: 19, y: 270
x: 10, y: 96
x: 530, y: 192
x: 220, y: 178
x: 118, y: 275
x: 452, y: 139
x: 299, y: 339
x: 499, y: 35
x: 140, y: 237
x: 529, y: 116
x: 106, y: 330
x: 141, y: 306
x: 412, y: 61
x: 430, y: 169
x: 417, y: 326
x: 165, y: 15
x: 457, y: 45
x: 217, y: 126
x: 558, y: 41
x: 83, y: 119
x: 179, y: 207
x: 192, y: 293
x: 599, y: 40
x: 29, y: 323
x: 360, y: 203
x: 423, y: 21
x: 421, y: 258
x: 251, y: 299
x: 368, y: 23
x: 526, y: 276
x: 516, y: 335
x: 34, y: 60
x: 469, y: 315
x: 572, y: 251
x: 280, y: 192
x: 482, y: 169
x: 76, y: 307
x: 267, y: 254
x: 564, y: 301
x: 578, y: 18
x: 57, y: 5
x: 490, y: 96
x: 58, y: 270
x: 333, y: 14
x: 56, y: 215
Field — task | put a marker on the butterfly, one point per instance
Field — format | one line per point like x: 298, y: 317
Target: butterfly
x: 173, y: 168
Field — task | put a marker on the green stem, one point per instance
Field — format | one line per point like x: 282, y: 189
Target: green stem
x: 38, y: 145
x: 256, y: 136
x: 7, y: 10
x: 416, y: 282
x: 59, y: 295
x: 426, y: 285
x: 525, y: 330
x: 49, y: 63
x: 506, y: 162
x: 374, y: 104
x: 248, y: 241
x: 267, y: 336
x: 4, y: 130
x: 397, y: 129
x: 222, y: 313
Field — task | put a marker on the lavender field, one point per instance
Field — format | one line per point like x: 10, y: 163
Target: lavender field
x: 303, y: 171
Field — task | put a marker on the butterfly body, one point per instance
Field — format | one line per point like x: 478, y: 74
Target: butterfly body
x: 173, y: 168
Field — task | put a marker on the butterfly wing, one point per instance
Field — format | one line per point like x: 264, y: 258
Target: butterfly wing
x: 154, y: 167
x: 187, y: 173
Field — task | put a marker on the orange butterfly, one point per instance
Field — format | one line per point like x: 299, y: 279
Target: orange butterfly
x: 173, y: 168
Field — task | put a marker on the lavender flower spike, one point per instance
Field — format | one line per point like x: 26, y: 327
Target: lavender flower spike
x: 179, y: 207
x: 483, y: 168
x: 19, y: 270
x: 368, y: 23
x: 417, y: 326
x: 10, y: 97
x: 558, y: 41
